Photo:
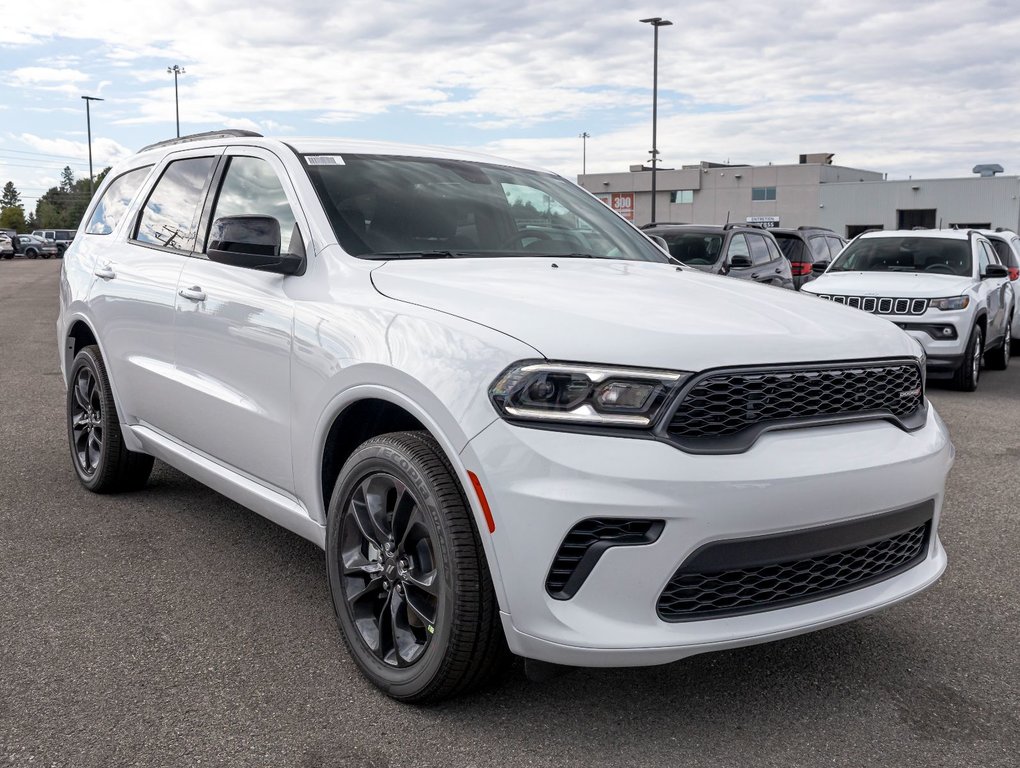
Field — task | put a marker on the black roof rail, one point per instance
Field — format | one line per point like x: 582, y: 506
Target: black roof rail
x: 823, y: 229
x: 225, y: 133
x: 651, y: 224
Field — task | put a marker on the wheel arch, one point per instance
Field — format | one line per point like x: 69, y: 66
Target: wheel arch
x: 380, y: 410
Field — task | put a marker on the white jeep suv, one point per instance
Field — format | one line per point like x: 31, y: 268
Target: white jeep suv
x: 513, y: 422
x: 946, y: 288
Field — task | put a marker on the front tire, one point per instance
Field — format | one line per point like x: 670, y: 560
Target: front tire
x: 407, y: 574
x: 101, y: 461
x: 31, y: 253
x: 967, y: 375
x: 998, y: 358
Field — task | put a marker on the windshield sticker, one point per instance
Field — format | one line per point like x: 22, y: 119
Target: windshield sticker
x: 324, y: 160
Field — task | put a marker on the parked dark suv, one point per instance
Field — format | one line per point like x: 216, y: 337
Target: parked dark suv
x: 738, y: 251
x: 805, y: 247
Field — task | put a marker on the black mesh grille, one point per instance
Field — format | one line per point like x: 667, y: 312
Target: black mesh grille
x: 725, y: 404
x: 715, y: 594
x: 584, y: 545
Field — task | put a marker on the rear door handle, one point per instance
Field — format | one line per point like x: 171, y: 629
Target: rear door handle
x: 195, y: 293
x: 105, y: 271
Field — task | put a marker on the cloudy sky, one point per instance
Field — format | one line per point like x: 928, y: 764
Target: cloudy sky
x: 912, y: 88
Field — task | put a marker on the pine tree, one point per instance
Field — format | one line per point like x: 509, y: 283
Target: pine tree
x: 10, y: 198
x: 66, y: 179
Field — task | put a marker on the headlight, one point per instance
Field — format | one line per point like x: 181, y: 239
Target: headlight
x: 954, y: 302
x: 574, y: 393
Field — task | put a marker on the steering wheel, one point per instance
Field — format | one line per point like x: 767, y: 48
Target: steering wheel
x: 942, y: 269
x: 516, y: 240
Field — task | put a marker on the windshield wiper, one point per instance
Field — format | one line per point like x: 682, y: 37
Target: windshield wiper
x: 382, y: 255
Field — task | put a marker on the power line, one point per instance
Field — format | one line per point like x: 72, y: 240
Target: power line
x: 41, y: 154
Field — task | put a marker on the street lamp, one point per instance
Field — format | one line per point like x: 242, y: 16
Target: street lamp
x: 584, y: 152
x: 656, y: 22
x: 88, y: 125
x: 175, y: 71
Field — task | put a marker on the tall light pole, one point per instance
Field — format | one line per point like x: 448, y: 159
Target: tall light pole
x: 656, y: 22
x: 584, y: 152
x: 175, y: 71
x: 88, y: 125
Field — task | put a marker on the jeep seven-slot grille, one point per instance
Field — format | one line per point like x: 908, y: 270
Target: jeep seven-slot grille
x: 881, y: 305
x: 706, y: 594
x: 738, y: 404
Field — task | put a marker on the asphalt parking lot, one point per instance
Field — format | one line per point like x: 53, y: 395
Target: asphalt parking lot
x: 172, y: 627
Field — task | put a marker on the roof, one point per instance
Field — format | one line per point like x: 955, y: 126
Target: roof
x: 944, y: 234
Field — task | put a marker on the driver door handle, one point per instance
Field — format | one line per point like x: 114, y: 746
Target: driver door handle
x: 195, y: 293
x: 105, y: 271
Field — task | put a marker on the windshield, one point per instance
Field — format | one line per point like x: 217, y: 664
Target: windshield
x: 933, y: 255
x: 401, y: 207
x: 698, y: 249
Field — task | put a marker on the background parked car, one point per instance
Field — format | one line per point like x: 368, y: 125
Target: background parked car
x: 59, y: 237
x: 748, y: 253
x: 1007, y: 245
x: 6, y: 247
x: 805, y: 247
x: 32, y: 247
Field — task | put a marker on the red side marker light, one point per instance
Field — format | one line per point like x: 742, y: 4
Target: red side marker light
x: 484, y: 502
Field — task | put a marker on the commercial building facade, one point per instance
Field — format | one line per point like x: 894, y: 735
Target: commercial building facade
x: 811, y: 193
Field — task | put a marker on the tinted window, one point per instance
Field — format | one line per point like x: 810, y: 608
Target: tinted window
x: 773, y: 249
x: 698, y: 249
x: 114, y: 203
x: 763, y: 193
x: 985, y: 257
x: 385, y: 207
x: 934, y: 255
x: 251, y: 188
x: 738, y: 247
x: 759, y: 251
x: 819, y: 248
x: 835, y: 246
x: 791, y: 246
x: 170, y: 216
x: 1002, y: 249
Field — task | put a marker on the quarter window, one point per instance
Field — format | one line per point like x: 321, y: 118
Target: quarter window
x: 763, y: 193
x: 115, y: 200
x: 252, y: 188
x: 170, y: 216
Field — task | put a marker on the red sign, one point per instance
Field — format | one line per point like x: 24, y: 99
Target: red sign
x: 623, y: 204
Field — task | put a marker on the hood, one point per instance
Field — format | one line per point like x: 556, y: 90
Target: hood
x: 641, y: 314
x: 907, y: 285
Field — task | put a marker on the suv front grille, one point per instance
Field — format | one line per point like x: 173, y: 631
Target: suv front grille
x: 881, y: 305
x: 724, y: 412
x: 750, y: 585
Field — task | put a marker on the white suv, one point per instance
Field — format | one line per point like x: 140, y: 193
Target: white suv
x: 946, y: 288
x: 510, y: 419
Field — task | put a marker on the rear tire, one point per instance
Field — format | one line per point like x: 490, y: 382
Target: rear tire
x: 998, y: 358
x: 967, y: 375
x: 410, y: 585
x: 100, y: 460
x: 31, y: 253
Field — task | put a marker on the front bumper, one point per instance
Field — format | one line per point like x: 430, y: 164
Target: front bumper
x: 540, y: 483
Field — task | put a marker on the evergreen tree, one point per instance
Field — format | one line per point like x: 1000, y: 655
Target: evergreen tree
x: 10, y: 198
x: 12, y: 214
x: 66, y: 179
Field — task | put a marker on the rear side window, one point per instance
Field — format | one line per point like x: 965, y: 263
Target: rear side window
x: 773, y: 249
x: 170, y: 216
x: 835, y: 246
x: 819, y: 249
x: 115, y: 201
x: 759, y: 251
x: 1002, y: 248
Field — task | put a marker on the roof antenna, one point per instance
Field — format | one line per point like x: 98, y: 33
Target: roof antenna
x: 940, y: 222
x: 727, y: 217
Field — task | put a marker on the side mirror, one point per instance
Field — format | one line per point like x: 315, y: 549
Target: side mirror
x: 819, y: 267
x: 252, y: 242
x: 740, y: 261
x: 995, y: 270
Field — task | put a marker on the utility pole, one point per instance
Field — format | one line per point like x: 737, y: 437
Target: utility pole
x: 584, y: 152
x: 88, y: 125
x: 175, y: 71
x: 656, y: 22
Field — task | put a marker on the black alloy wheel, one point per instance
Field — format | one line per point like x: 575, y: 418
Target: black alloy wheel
x: 410, y: 585
x: 86, y: 421
x: 101, y: 460
x: 998, y: 358
x: 390, y: 575
x: 31, y: 253
x: 967, y: 375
